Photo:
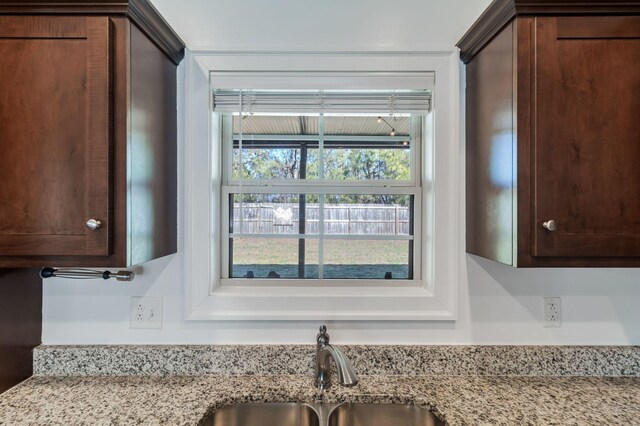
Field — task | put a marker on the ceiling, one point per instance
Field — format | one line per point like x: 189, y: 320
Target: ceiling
x: 334, y: 125
x: 312, y: 26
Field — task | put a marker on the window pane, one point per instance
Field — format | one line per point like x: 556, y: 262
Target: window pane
x: 367, y: 163
x: 273, y: 258
x: 285, y: 147
x: 382, y: 259
x: 275, y: 147
x: 373, y: 148
x: 368, y: 214
x: 274, y: 213
x: 276, y: 163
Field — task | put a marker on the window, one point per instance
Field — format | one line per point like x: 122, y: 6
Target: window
x: 321, y: 195
x: 213, y: 188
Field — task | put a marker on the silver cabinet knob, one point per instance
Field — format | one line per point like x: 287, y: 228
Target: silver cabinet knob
x: 550, y: 225
x: 93, y: 224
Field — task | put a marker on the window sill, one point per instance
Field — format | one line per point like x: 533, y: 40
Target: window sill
x: 320, y: 303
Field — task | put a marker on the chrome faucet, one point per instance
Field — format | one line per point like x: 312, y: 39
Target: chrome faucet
x: 324, y: 351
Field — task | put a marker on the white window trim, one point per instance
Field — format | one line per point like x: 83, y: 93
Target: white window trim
x: 436, y: 299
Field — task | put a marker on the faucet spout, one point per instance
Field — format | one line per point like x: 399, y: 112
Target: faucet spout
x: 324, y: 352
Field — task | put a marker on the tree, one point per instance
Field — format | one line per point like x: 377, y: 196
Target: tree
x: 339, y: 164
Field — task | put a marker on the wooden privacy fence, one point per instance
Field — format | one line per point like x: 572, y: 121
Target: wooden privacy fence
x: 339, y: 219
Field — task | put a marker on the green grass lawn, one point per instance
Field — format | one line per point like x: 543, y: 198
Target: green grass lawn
x: 284, y: 251
x: 361, y: 259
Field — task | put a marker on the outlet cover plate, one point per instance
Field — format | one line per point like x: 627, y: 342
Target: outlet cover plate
x: 145, y: 312
x: 552, y: 312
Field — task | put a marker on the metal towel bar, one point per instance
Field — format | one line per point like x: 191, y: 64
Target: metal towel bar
x: 85, y: 274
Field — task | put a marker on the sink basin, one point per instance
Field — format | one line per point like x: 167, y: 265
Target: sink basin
x: 382, y: 415
x: 292, y: 414
x: 263, y: 414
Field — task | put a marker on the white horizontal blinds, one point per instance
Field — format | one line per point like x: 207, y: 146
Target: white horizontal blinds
x: 376, y: 102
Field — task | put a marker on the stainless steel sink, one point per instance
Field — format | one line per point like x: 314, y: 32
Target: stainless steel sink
x: 382, y: 415
x: 291, y: 414
x: 263, y: 414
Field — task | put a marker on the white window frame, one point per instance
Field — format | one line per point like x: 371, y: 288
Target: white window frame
x: 436, y: 298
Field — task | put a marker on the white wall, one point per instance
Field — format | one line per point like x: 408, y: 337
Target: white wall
x: 498, y: 304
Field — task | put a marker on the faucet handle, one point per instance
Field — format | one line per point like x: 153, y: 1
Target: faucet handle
x: 323, y: 336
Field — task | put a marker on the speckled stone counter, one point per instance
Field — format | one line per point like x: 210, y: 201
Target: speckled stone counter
x: 184, y: 400
x: 464, y: 385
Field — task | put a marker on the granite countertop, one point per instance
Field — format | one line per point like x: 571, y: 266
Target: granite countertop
x: 463, y: 385
x: 184, y: 400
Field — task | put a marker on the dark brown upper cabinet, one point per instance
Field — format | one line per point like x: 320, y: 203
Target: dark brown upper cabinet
x: 553, y: 133
x: 88, y: 133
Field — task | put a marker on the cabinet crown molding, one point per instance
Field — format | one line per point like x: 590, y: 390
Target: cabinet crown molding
x: 500, y: 12
x: 140, y: 12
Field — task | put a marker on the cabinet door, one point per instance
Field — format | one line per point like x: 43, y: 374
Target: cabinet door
x: 55, y: 141
x: 586, y: 133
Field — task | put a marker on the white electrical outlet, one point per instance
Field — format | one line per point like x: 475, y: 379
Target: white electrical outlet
x: 145, y: 312
x: 552, y: 312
